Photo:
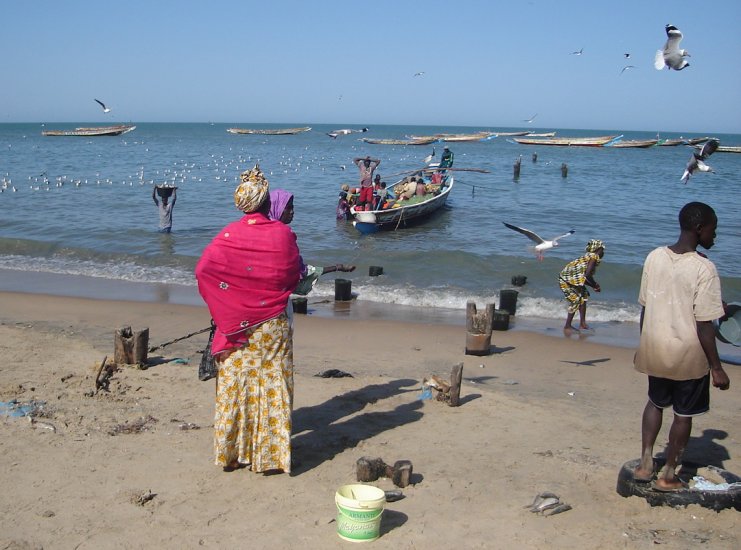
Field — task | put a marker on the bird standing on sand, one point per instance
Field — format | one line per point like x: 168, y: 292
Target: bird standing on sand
x: 697, y: 161
x: 105, y: 109
x: 428, y: 158
x: 541, y: 244
x: 672, y: 56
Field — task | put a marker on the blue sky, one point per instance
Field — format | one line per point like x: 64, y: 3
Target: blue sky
x: 486, y: 63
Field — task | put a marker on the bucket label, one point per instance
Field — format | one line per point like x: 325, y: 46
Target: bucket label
x: 350, y: 529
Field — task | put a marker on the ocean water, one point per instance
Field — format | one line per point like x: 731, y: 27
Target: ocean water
x: 83, y: 206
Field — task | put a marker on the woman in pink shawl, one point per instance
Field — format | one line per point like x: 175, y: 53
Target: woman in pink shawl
x: 246, y: 276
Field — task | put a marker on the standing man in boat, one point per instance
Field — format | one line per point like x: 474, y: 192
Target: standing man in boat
x: 165, y: 206
x: 366, y: 166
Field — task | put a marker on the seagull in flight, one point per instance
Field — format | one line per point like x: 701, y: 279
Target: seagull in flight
x: 578, y: 52
x: 105, y: 109
x: 530, y: 120
x: 697, y: 161
x: 627, y: 67
x: 420, y: 73
x: 345, y: 131
x: 541, y: 245
x: 672, y: 56
x: 428, y: 158
x: 626, y: 55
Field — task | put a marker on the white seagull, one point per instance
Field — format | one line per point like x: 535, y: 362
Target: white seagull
x: 672, y: 56
x: 530, y: 120
x: 541, y: 244
x: 420, y: 73
x: 578, y: 52
x: 697, y: 161
x: 105, y: 109
x: 345, y: 131
x: 627, y: 67
x: 428, y: 158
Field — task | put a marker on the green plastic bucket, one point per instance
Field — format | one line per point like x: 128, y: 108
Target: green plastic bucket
x: 359, y: 511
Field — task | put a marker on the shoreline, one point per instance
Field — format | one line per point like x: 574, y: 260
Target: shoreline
x: 614, y: 333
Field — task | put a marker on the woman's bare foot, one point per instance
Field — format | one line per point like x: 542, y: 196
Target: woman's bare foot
x: 569, y: 328
x: 663, y: 484
x: 584, y: 326
x: 639, y: 474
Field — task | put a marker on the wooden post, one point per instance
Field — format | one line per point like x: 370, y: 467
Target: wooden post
x: 300, y: 305
x: 478, y: 329
x: 131, y: 348
x: 456, y: 377
x: 518, y: 162
x: 342, y: 290
x: 375, y: 270
x: 564, y: 170
x: 535, y: 157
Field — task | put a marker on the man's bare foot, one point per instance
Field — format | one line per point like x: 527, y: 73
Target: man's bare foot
x: 569, y: 328
x: 639, y: 474
x: 584, y: 326
x: 663, y: 484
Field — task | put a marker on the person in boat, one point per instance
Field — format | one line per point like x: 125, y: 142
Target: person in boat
x: 421, y: 189
x: 165, y: 205
x: 384, y: 199
x: 409, y: 189
x: 366, y: 166
x: 574, y: 279
x: 680, y: 296
x: 245, y: 276
x: 446, y: 159
x: 281, y: 209
x: 343, y: 203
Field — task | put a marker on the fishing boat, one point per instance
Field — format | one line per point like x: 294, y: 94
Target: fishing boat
x: 634, y: 143
x: 475, y: 136
x: 728, y: 149
x: 597, y: 141
x: 410, y: 141
x: 544, y: 134
x: 514, y: 134
x: 673, y: 142
x: 269, y: 131
x: 92, y: 131
x: 404, y: 213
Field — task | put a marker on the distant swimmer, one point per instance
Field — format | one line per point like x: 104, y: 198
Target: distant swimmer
x: 105, y: 109
x: 672, y: 56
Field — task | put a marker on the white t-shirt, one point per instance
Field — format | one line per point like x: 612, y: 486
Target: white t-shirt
x: 677, y: 290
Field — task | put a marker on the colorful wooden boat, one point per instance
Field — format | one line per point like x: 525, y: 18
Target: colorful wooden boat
x: 92, y: 131
x: 407, y: 214
x: 410, y: 141
x: 673, y: 142
x: 269, y: 131
x: 634, y: 143
x: 596, y: 141
x: 544, y: 134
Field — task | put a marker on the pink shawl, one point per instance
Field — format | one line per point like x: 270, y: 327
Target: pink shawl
x: 246, y: 275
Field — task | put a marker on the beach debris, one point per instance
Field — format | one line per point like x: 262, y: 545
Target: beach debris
x: 185, y: 425
x: 443, y: 390
x: 142, y: 424
x: 17, y: 408
x: 39, y: 424
x: 155, y: 348
x: 370, y: 469
x: 547, y: 504
x: 103, y: 375
x: 140, y: 499
x: 393, y: 495
x: 334, y: 373
x: 697, y: 160
x: 672, y: 57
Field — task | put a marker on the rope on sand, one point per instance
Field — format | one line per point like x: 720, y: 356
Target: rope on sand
x: 155, y: 348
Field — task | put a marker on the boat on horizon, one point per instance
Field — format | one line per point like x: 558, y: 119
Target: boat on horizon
x: 673, y: 142
x: 269, y: 131
x: 406, y: 214
x: 596, y: 141
x: 116, y: 130
x: 409, y: 141
x: 634, y: 143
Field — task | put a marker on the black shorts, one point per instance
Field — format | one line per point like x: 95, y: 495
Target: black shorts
x: 687, y: 397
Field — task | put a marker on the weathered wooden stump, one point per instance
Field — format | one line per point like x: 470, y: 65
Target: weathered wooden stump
x: 402, y: 473
x: 375, y: 270
x: 300, y: 305
x: 130, y: 348
x: 478, y: 329
x: 342, y: 290
x: 370, y: 469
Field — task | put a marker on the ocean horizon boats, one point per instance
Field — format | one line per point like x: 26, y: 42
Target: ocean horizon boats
x: 543, y: 134
x: 406, y: 214
x: 673, y: 142
x: 269, y: 131
x: 116, y: 130
x: 596, y: 141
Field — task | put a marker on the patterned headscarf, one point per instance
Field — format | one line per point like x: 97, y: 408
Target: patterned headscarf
x: 252, y: 190
x: 594, y: 244
x: 279, y: 199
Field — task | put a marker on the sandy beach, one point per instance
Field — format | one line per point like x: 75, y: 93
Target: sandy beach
x: 132, y: 467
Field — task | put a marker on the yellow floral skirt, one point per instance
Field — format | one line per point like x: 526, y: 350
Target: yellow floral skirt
x: 254, y: 400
